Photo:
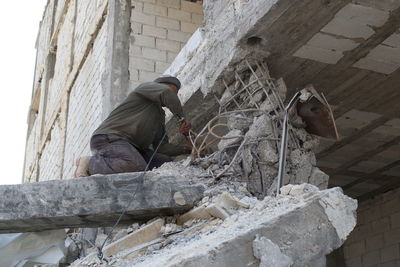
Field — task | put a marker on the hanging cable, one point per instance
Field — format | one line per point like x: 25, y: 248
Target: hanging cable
x: 100, y: 253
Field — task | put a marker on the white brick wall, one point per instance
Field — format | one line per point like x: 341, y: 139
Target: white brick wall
x: 86, y: 11
x: 376, y: 239
x: 31, y: 150
x: 160, y: 28
x: 63, y: 65
x: 43, y: 39
x: 85, y: 105
x: 50, y: 162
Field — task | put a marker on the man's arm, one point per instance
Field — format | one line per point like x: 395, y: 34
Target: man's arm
x: 161, y: 93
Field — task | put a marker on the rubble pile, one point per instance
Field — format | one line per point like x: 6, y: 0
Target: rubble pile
x: 249, y: 150
x: 226, y: 231
x: 237, y: 222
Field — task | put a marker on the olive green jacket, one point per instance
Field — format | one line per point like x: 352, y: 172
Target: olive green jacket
x: 141, y: 119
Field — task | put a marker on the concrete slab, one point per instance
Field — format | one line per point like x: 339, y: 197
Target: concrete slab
x: 377, y: 66
x: 368, y: 166
x: 385, y: 54
x: 94, y: 201
x: 348, y: 28
x: 393, y: 40
x: 386, y: 5
x: 363, y: 15
x: 330, y: 42
x: 362, y: 116
x: 318, y: 54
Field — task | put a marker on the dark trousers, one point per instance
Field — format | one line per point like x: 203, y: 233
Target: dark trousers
x: 115, y: 154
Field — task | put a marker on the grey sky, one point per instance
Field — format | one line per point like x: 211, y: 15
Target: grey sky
x: 19, y: 24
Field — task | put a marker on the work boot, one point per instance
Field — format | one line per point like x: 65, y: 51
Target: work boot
x: 82, y: 167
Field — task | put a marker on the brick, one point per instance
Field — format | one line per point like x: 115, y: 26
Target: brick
x: 168, y: 45
x: 374, y: 242
x: 136, y: 27
x: 170, y: 3
x: 139, y: 237
x: 178, y: 36
x: 137, y: 6
x: 133, y: 85
x: 354, y: 262
x: 355, y: 249
x: 192, y: 7
x: 196, y: 213
x: 188, y: 27
x: 155, y: 54
x: 135, y: 51
x: 371, y: 258
x: 390, y: 253
x: 142, y: 40
x: 154, y: 9
x: 141, y: 64
x: 392, y: 236
x: 389, y: 207
x: 197, y: 19
x: 146, y: 76
x: 161, y: 67
x: 388, y: 264
x: 154, y: 31
x: 171, y: 57
x: 167, y: 23
x: 373, y: 213
x: 133, y: 74
x: 137, y: 16
x: 179, y: 14
x: 381, y: 225
x: 395, y: 220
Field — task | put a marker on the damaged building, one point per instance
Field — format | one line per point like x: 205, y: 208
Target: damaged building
x: 241, y: 62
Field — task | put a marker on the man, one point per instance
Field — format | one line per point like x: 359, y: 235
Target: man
x: 121, y: 142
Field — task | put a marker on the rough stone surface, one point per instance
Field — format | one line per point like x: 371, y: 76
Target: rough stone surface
x: 269, y: 253
x: 94, y: 201
x: 279, y: 224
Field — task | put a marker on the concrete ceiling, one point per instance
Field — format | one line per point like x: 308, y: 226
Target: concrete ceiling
x: 350, y: 51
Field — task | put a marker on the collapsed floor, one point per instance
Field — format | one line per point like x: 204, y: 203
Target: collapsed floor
x: 239, y: 222
x: 229, y: 227
x: 235, y: 162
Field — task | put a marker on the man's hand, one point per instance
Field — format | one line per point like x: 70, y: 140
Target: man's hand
x: 185, y: 128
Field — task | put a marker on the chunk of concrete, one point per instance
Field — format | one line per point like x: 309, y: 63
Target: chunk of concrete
x: 196, y: 213
x: 94, y: 201
x: 231, y: 138
x: 143, y: 235
x: 324, y: 217
x: 269, y: 253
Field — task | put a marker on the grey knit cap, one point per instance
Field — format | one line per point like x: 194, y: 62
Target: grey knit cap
x: 169, y: 79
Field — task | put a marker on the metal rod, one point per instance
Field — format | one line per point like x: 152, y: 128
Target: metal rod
x: 283, y: 150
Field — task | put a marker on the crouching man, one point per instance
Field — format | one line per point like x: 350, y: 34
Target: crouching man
x: 122, y: 141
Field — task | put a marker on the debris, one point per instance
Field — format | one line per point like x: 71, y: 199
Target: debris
x: 75, y: 202
x: 20, y: 249
x: 269, y: 253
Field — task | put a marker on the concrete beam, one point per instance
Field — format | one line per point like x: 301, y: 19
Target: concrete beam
x: 94, y: 201
x: 115, y: 82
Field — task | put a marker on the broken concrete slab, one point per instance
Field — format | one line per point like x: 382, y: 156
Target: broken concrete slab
x: 94, y: 201
x: 324, y: 217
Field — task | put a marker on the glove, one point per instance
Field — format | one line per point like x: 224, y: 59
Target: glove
x: 185, y: 128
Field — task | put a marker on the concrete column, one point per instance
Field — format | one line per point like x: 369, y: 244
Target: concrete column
x: 116, y: 78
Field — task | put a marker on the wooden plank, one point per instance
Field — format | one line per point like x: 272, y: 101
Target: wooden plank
x: 366, y: 155
x: 345, y: 141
